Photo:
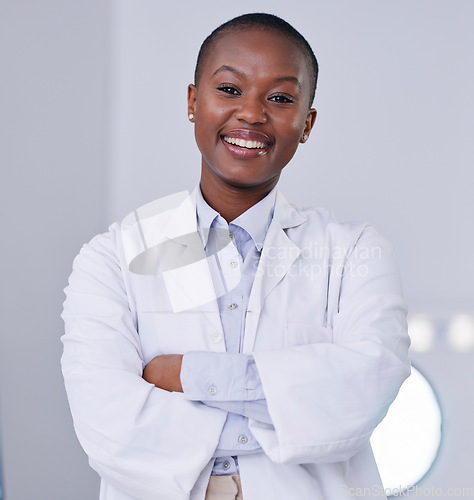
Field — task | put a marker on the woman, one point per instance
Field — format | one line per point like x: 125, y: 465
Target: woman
x: 226, y: 344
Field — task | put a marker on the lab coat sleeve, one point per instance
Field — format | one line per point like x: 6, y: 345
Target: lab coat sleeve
x: 146, y: 442
x: 325, y: 399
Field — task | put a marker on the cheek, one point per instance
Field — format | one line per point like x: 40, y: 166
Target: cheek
x: 291, y: 130
x: 208, y: 122
x: 209, y: 108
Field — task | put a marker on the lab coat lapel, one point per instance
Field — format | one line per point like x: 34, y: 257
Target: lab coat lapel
x: 189, y: 279
x: 278, y: 254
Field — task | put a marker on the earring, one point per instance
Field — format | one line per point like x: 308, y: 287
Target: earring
x: 191, y: 117
x: 305, y: 137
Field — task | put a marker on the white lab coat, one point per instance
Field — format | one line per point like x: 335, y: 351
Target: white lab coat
x: 325, y: 323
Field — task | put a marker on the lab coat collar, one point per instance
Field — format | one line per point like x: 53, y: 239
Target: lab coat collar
x: 286, y: 215
x: 183, y: 219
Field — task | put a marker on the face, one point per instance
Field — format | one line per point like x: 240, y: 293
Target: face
x: 251, y: 108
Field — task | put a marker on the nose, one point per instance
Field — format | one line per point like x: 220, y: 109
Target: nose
x: 251, y: 110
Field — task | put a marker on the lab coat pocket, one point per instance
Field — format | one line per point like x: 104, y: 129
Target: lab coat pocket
x: 306, y: 333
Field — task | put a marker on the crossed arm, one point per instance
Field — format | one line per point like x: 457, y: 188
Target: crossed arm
x: 240, y: 388
x: 164, y: 372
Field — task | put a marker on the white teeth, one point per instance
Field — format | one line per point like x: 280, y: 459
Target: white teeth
x: 245, y: 144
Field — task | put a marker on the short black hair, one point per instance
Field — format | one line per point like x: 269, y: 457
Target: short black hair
x: 266, y: 22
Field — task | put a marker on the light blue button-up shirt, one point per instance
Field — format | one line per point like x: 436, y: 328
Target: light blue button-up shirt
x: 230, y: 380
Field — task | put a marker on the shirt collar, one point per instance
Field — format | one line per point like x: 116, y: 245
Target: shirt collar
x: 256, y: 220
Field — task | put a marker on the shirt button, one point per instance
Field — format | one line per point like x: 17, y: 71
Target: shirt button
x: 243, y: 439
x: 212, y: 390
x: 233, y: 305
x: 226, y: 465
x: 231, y: 236
x: 233, y: 263
x: 215, y: 336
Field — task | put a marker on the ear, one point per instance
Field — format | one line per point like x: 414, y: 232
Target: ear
x: 192, y: 90
x: 309, y: 123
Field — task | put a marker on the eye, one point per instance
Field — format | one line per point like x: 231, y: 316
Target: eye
x: 281, y: 99
x: 229, y: 89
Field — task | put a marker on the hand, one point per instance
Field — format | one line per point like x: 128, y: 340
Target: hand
x: 164, y: 371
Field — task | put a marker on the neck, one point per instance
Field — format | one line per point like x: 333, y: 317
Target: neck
x: 231, y: 201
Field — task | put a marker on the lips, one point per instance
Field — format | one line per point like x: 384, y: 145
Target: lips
x: 245, y: 143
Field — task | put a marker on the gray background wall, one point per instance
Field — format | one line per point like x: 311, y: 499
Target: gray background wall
x: 93, y: 124
x: 53, y: 176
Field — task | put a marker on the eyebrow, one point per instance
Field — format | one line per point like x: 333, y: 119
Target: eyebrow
x: 224, y: 67
x: 291, y: 79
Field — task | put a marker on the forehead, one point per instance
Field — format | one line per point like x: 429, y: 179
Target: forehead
x: 258, y: 52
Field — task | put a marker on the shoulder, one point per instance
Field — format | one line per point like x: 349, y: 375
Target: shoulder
x: 317, y: 227
x: 320, y: 223
x: 141, y: 229
x: 98, y: 261
x: 154, y: 213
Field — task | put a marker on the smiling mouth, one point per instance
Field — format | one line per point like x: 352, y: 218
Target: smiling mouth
x: 242, y: 143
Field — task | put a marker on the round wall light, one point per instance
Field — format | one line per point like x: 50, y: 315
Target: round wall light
x: 406, y: 442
